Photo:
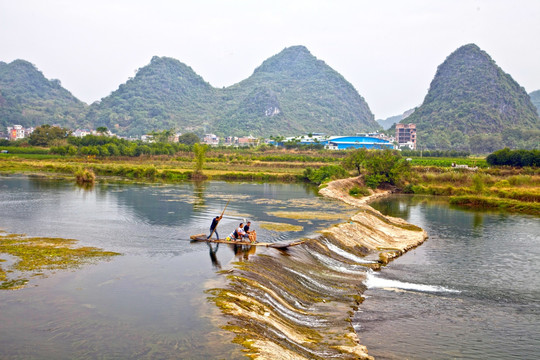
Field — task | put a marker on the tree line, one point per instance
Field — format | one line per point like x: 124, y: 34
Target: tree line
x: 517, y: 158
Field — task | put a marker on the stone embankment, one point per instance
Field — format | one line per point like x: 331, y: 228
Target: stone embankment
x: 297, y: 305
x: 369, y: 230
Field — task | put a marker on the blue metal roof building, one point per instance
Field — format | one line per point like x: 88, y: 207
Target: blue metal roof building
x: 341, y: 142
x: 356, y: 142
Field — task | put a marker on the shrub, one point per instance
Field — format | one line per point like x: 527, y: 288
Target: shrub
x: 85, y: 176
x: 478, y: 183
x: 325, y: 173
x: 357, y: 191
x: 373, y: 181
x: 517, y: 158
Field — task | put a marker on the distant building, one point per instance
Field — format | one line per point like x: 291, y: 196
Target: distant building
x: 230, y: 140
x: 211, y: 139
x: 248, y: 141
x: 340, y: 142
x: 176, y: 137
x: 81, y: 133
x: 147, y: 138
x: 15, y: 132
x: 356, y: 142
x: 406, y: 135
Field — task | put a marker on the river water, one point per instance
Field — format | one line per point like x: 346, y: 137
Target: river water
x: 471, y: 291
x: 151, y: 302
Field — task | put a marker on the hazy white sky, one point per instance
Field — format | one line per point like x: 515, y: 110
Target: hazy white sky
x: 388, y: 49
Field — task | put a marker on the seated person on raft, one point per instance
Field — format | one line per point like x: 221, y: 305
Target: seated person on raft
x: 237, y: 234
x: 251, y: 235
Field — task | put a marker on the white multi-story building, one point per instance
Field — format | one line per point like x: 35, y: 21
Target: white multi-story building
x: 15, y: 132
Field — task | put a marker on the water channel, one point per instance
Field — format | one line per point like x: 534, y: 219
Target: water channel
x: 471, y: 291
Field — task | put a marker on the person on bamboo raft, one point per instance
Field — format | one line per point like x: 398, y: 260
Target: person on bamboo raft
x: 213, y: 227
x: 237, y: 234
x: 250, y: 234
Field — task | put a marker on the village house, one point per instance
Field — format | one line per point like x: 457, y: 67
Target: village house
x: 81, y: 133
x: 211, y: 139
x: 248, y: 141
x: 230, y: 140
x: 15, y: 132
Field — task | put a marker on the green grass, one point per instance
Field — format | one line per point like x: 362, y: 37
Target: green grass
x: 447, y: 162
x: 486, y: 202
x: 36, y: 254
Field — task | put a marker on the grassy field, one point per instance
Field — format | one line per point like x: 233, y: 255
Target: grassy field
x: 277, y: 166
x: 510, y: 189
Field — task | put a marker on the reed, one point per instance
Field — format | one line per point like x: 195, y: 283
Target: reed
x: 85, y: 176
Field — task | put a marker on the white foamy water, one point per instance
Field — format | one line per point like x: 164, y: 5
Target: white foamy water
x: 346, y: 254
x: 339, y: 266
x: 374, y: 281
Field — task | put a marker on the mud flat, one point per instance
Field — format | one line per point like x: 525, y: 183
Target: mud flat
x: 299, y: 304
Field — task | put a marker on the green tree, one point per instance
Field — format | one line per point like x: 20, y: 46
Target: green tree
x: 163, y: 136
x: 355, y: 160
x: 102, y: 130
x: 188, y: 139
x: 45, y: 135
x: 385, y: 166
x: 325, y: 173
x: 200, y: 156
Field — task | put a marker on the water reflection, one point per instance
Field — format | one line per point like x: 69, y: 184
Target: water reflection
x: 213, y: 255
x: 198, y: 192
x: 243, y: 252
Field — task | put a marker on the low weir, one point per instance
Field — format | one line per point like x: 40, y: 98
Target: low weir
x: 299, y: 303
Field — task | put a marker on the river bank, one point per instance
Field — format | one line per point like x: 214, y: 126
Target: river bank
x: 299, y: 304
x: 390, y: 236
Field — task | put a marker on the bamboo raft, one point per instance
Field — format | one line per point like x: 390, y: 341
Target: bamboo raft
x: 275, y: 245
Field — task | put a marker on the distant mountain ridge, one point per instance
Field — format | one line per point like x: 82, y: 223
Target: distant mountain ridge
x: 28, y: 98
x: 294, y: 92
x: 164, y: 94
x: 289, y: 93
x: 473, y: 105
x: 389, y: 122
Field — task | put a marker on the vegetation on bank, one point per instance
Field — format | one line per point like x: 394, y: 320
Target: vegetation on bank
x: 509, y: 189
x: 518, y: 158
x: 386, y: 169
x: 33, y: 256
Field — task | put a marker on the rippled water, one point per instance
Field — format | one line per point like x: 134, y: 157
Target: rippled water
x: 471, y: 291
x: 151, y: 301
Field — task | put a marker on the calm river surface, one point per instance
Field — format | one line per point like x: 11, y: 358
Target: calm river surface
x: 471, y: 291
x: 151, y: 301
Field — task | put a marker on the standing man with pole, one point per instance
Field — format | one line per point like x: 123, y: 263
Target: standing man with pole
x: 215, y: 222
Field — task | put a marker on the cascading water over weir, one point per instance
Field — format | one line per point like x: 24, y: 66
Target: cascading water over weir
x: 299, y: 304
